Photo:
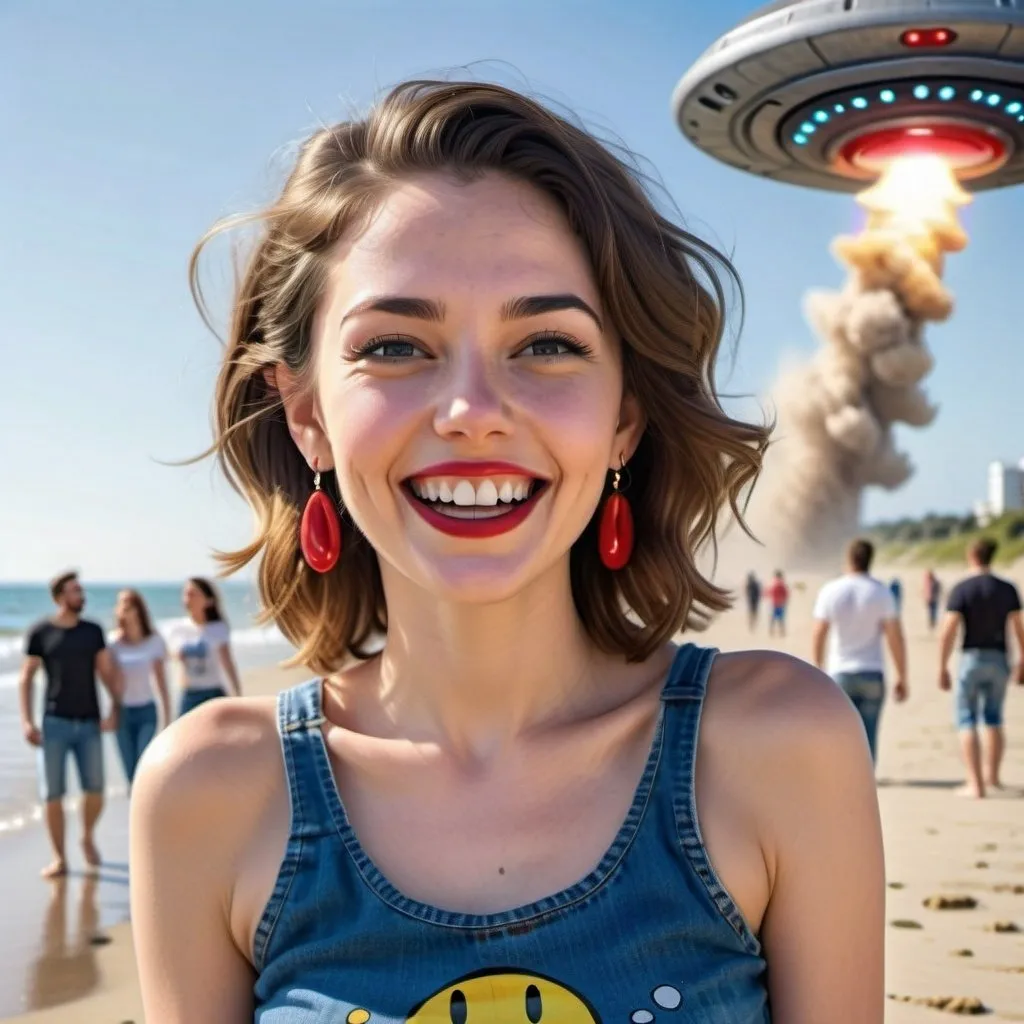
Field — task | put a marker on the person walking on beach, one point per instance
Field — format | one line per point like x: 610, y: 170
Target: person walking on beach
x: 72, y: 652
x: 778, y: 594
x: 896, y: 589
x: 753, y: 592
x: 201, y: 647
x: 466, y: 326
x: 932, y: 597
x: 986, y: 608
x: 858, y: 612
x: 140, y: 653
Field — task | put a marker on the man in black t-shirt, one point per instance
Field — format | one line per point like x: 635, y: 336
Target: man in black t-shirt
x: 987, y: 608
x: 71, y: 651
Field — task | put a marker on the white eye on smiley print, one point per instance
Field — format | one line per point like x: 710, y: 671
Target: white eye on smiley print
x: 665, y: 997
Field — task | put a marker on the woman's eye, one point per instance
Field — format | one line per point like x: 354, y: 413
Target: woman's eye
x: 390, y: 349
x: 553, y: 346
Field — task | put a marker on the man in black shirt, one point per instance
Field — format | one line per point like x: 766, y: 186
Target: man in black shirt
x: 71, y: 651
x: 987, y: 607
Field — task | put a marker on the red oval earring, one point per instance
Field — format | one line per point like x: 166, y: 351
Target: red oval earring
x: 615, y: 537
x: 320, y: 530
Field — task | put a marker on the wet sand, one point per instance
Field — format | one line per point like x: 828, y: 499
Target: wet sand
x: 937, y: 845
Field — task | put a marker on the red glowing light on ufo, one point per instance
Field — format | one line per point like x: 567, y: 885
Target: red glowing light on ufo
x: 968, y: 149
x: 919, y: 38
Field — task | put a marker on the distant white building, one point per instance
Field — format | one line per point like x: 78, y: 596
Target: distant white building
x: 1005, y: 491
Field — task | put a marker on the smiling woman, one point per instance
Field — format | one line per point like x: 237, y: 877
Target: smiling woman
x: 469, y: 392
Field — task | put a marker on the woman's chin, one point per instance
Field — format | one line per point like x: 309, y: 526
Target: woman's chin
x: 478, y: 578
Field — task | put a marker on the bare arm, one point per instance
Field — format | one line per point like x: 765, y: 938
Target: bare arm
x: 160, y: 682
x: 824, y: 928
x: 818, y: 639
x: 1016, y: 626
x: 230, y: 670
x: 898, y: 649
x: 112, y: 678
x: 29, y: 668
x: 188, y: 826
x: 947, y: 641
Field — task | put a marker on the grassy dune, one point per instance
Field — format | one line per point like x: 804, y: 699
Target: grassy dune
x: 943, y: 540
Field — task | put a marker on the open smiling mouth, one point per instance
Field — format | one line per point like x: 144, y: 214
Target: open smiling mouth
x: 482, y: 507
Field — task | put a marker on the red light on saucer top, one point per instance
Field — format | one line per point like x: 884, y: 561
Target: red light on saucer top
x: 921, y: 38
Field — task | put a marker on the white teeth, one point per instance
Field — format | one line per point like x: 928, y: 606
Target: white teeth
x: 464, y: 494
x: 487, y: 493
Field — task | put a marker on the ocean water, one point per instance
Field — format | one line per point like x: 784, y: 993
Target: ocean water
x: 22, y: 605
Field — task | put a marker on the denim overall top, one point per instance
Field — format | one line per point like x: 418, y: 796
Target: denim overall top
x: 650, y: 935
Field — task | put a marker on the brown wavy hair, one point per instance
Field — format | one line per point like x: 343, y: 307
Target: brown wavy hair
x: 664, y: 290
x: 138, y: 602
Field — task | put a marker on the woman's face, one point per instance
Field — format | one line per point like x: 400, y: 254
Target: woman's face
x: 124, y: 611
x: 195, y: 602
x: 469, y: 386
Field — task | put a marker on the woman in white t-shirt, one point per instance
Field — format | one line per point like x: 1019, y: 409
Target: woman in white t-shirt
x: 140, y: 652
x: 201, y: 647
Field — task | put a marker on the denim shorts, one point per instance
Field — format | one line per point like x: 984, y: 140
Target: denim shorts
x: 81, y: 738
x: 981, y: 685
x: 866, y: 691
x: 193, y: 696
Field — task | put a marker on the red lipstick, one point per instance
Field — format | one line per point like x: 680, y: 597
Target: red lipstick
x: 473, y: 470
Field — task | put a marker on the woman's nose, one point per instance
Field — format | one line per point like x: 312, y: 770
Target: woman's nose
x: 472, y: 404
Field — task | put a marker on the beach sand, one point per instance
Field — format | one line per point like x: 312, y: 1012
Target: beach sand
x: 937, y: 845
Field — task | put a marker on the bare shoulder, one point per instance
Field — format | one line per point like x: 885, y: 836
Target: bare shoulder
x: 783, y: 732
x: 770, y: 698
x: 784, y: 753
x: 216, y: 766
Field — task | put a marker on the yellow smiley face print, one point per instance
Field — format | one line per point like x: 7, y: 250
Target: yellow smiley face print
x: 504, y: 997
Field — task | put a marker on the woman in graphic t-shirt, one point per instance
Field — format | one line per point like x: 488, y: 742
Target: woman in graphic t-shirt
x: 201, y: 645
x: 140, y: 651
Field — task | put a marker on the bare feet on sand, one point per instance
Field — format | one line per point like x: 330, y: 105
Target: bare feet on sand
x: 91, y: 854
x: 971, y: 792
x: 58, y: 869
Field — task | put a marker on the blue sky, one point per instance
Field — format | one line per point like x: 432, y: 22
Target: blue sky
x: 129, y: 128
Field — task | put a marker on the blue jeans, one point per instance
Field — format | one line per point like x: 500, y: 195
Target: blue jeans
x: 981, y: 685
x: 866, y: 691
x: 81, y: 739
x: 194, y: 696
x: 137, y: 726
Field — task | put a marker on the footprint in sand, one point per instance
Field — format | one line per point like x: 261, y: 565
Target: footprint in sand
x: 896, y: 885
x: 904, y: 923
x: 981, y: 864
x: 950, y: 903
x: 1003, y: 927
x: 962, y: 952
x: 988, y: 848
x: 1017, y: 889
x: 966, y: 1006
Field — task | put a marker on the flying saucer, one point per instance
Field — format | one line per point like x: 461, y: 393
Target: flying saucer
x: 825, y: 93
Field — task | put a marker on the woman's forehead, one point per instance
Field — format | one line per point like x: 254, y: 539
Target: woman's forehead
x: 436, y: 234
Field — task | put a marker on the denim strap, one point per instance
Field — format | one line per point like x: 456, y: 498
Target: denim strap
x: 300, y: 719
x: 684, y: 696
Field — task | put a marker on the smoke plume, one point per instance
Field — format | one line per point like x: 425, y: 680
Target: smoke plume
x: 836, y: 413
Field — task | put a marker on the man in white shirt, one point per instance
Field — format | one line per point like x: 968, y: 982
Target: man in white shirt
x: 858, y: 610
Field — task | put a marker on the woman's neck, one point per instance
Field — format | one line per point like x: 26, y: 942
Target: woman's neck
x: 131, y: 634
x: 473, y: 677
